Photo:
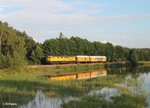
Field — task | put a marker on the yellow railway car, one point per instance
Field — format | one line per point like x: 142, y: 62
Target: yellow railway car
x: 82, y: 59
x: 95, y: 59
x: 60, y: 59
x: 103, y: 58
x: 75, y: 59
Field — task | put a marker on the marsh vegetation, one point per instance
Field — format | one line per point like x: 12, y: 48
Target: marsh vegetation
x: 22, y: 87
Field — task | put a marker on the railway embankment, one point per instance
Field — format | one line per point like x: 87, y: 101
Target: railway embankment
x: 80, y: 64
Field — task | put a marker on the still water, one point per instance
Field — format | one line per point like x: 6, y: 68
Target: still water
x: 42, y: 101
x: 141, y: 74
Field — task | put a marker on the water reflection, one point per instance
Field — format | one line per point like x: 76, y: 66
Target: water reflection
x: 137, y: 79
x: 139, y: 85
x: 80, y: 75
x: 41, y: 101
x: 148, y: 101
x: 140, y: 73
x: 108, y: 93
x: 143, y: 79
x: 129, y: 70
x: 146, y: 81
x: 146, y: 84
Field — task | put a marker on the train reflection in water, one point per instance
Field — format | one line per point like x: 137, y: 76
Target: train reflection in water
x: 81, y: 75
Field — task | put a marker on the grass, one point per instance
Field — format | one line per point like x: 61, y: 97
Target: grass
x: 124, y: 101
x: 66, y: 69
x: 21, y: 87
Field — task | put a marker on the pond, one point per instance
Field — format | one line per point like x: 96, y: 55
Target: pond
x: 136, y: 80
x: 42, y: 101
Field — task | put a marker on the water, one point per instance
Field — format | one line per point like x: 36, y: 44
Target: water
x: 146, y: 81
x: 42, y: 101
x: 106, y: 92
x: 146, y: 84
x: 140, y: 74
x: 79, y: 75
x: 129, y: 71
x: 140, y: 78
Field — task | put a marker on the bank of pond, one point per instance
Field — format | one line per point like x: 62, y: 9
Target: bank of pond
x: 111, y: 87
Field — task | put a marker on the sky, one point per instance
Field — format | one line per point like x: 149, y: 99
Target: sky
x: 121, y: 22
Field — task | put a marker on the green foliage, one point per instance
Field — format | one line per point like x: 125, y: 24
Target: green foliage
x: 79, y: 46
x: 19, y: 57
x: 98, y: 48
x: 133, y: 58
x: 12, y: 46
x: 109, y: 51
x: 3, y: 61
x: 29, y: 44
x: 119, y: 53
x: 72, y: 46
x: 36, y: 55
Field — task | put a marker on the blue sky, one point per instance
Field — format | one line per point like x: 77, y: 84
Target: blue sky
x: 121, y: 22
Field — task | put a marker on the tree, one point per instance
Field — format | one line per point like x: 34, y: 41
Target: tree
x: 51, y: 47
x: 109, y: 50
x: 3, y: 61
x: 1, y: 34
x: 99, y: 48
x: 12, y: 48
x: 36, y: 55
x: 133, y: 58
x: 29, y: 43
x: 119, y: 53
x: 61, y: 35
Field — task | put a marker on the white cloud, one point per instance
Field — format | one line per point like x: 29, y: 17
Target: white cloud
x: 46, y: 18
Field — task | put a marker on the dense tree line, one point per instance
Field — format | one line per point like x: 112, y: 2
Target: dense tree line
x: 79, y: 46
x: 17, y: 48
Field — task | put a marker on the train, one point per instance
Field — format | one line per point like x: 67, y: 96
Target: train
x: 75, y: 59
